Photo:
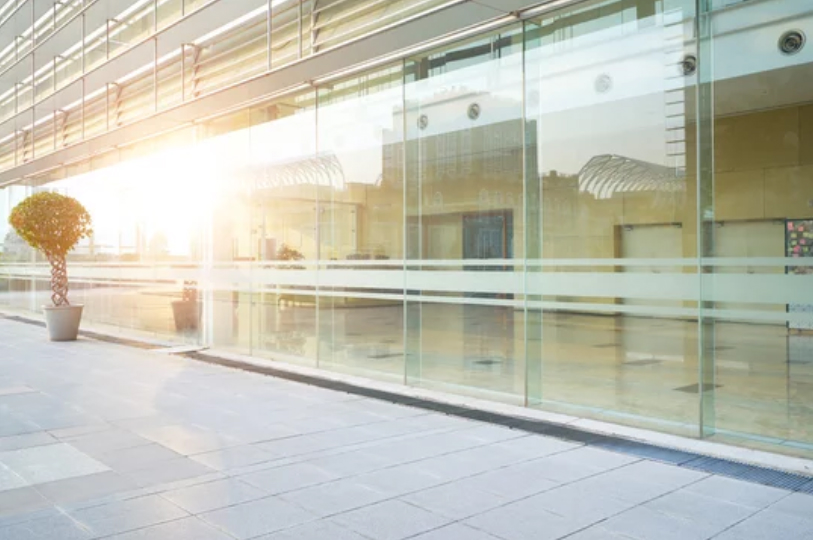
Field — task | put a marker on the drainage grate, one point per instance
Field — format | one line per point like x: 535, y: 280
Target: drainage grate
x: 806, y: 488
x: 750, y: 473
x: 648, y: 451
x: 694, y: 388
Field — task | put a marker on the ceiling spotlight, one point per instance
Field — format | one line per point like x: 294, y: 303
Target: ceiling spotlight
x: 791, y: 42
x: 474, y: 111
x: 688, y: 66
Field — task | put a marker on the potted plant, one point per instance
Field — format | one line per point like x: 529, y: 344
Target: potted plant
x: 186, y: 311
x: 53, y: 224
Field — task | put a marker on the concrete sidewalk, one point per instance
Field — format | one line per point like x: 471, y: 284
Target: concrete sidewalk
x: 104, y: 441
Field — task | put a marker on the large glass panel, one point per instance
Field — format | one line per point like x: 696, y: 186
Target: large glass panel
x: 360, y: 176
x: 129, y: 274
x: 284, y: 172
x: 762, y: 185
x: 464, y: 165
x: 615, y: 288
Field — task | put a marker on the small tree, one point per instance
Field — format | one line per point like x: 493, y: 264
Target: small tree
x: 53, y: 224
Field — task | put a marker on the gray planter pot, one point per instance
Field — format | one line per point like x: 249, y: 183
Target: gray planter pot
x: 186, y: 315
x: 63, y: 321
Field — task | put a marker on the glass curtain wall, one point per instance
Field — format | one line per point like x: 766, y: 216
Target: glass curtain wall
x: 605, y: 211
x: 615, y: 286
x: 464, y: 216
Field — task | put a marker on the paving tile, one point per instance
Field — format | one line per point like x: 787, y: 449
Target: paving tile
x: 20, y: 501
x: 455, y: 531
x: 213, y: 495
x: 769, y: 525
x: 398, y: 480
x: 736, y: 491
x: 578, y: 505
x: 53, y: 527
x: 390, y: 520
x: 27, y: 440
x: 524, y: 522
x: 234, y: 457
x: 258, y: 517
x: 288, y: 478
x: 695, y: 507
x: 137, y: 457
x: 334, y: 497
x: 596, y: 532
x: 167, y: 471
x: 66, y: 434
x: 122, y: 516
x: 15, y: 426
x: 187, y: 440
x: 796, y: 504
x: 85, y: 488
x: 316, y: 530
x: 10, y: 480
x: 644, y: 523
x: 456, y: 500
x: 350, y: 463
x: 190, y: 528
x: 104, y: 442
x: 48, y: 463
x: 511, y: 483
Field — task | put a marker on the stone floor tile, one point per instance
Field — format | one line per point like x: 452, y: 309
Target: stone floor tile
x: 190, y: 528
x: 644, y: 523
x: 334, y: 497
x: 523, y: 523
x: 51, y: 462
x: 167, y: 471
x: 21, y: 500
x: 796, y: 504
x: 137, y: 457
x: 54, y: 527
x: 122, y: 516
x: 234, y: 457
x: 456, y: 500
x: 27, y: 440
x: 187, y: 440
x: 736, y: 491
x: 258, y: 517
x: 390, y: 520
x: 693, y: 507
x: 10, y: 480
x: 315, y: 530
x: 85, y: 488
x: 213, y: 495
x: 104, y: 442
x: 455, y: 531
x: 288, y: 478
x: 769, y: 525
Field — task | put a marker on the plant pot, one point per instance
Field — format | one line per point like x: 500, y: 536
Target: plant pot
x: 186, y: 315
x: 63, y: 322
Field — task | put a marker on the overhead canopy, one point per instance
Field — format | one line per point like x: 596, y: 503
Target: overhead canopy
x: 607, y: 174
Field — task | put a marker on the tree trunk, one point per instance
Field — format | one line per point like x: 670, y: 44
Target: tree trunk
x: 59, y: 281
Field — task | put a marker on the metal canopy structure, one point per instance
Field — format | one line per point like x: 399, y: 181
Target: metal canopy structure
x: 607, y: 174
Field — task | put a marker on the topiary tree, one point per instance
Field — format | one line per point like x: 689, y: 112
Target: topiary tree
x: 53, y: 224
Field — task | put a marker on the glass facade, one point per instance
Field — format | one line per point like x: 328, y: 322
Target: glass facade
x: 605, y: 210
